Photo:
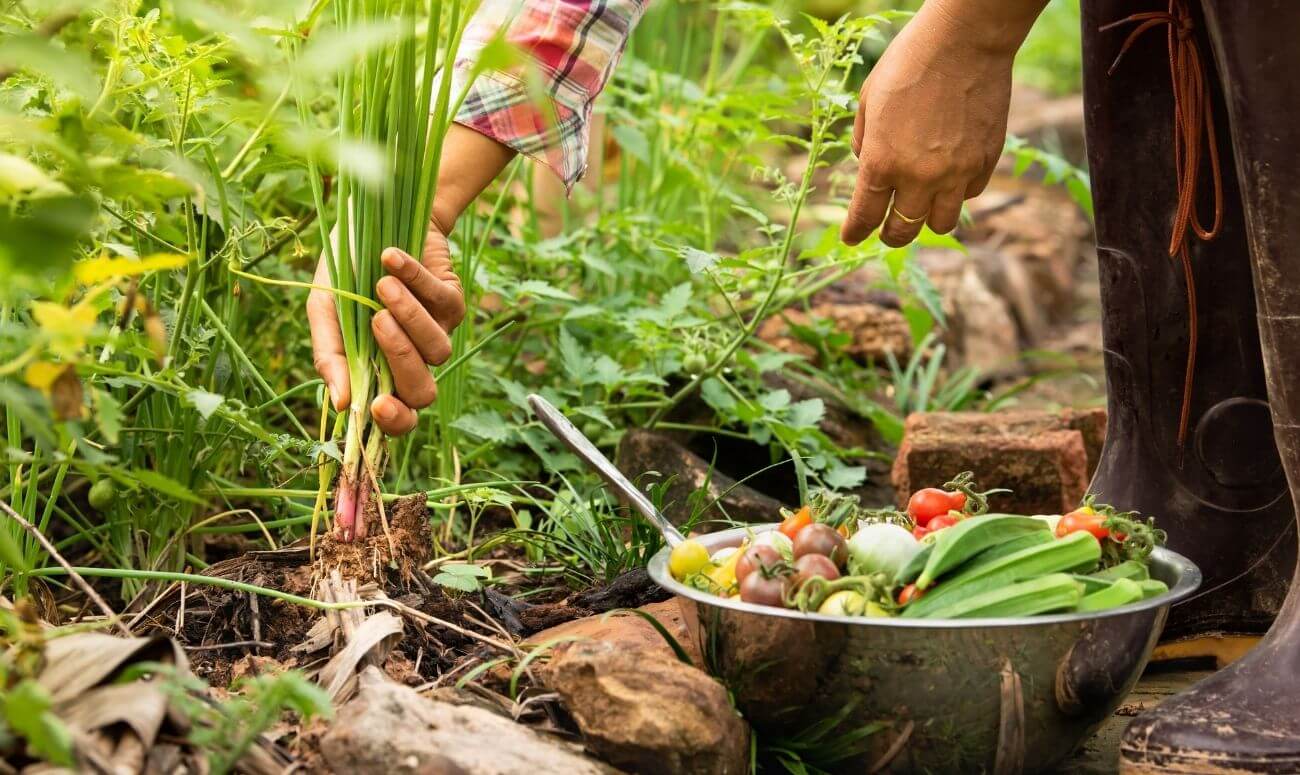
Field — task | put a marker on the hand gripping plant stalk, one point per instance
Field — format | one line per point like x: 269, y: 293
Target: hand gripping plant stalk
x: 393, y: 99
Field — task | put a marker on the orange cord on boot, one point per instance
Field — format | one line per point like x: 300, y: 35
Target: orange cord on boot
x: 1192, y: 116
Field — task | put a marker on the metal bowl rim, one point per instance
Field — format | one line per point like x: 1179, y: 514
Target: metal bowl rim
x: 1189, y: 578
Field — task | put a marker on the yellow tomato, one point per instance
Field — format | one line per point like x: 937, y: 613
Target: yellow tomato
x: 687, y: 558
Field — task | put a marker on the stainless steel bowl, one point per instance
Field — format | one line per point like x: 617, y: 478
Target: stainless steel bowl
x: 954, y: 696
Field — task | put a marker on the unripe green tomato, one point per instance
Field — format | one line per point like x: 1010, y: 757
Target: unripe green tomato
x: 687, y: 558
x: 102, y: 494
x: 694, y: 363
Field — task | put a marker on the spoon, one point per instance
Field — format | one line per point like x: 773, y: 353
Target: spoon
x: 581, y: 446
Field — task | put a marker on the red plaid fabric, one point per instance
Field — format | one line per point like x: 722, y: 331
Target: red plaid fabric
x: 574, y: 46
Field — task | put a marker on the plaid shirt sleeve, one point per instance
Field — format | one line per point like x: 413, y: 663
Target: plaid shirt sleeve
x: 574, y: 46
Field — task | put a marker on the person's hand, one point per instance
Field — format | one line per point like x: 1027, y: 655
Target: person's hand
x: 931, y: 123
x: 423, y: 304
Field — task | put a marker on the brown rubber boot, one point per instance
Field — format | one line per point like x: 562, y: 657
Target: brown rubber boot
x: 1246, y: 718
x: 1222, y: 495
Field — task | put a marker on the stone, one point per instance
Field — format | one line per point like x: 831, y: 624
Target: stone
x: 643, y: 451
x: 980, y: 331
x: 874, y: 330
x: 1045, y: 458
x: 391, y: 728
x: 647, y: 713
x: 631, y: 632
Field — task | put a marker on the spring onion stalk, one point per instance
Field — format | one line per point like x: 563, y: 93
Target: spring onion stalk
x: 392, y: 99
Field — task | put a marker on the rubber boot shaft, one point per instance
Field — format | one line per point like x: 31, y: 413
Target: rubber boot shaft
x: 1246, y: 718
x: 1223, y: 496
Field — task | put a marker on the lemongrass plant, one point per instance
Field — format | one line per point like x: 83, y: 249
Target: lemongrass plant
x: 393, y: 98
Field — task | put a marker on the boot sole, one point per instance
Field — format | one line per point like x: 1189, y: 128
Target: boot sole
x: 1202, y: 763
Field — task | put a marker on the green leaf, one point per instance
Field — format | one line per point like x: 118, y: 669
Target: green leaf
x: 698, y: 261
x: 27, y: 711
x: 632, y: 140
x: 845, y: 477
x: 206, y: 403
x: 925, y: 291
x: 108, y: 414
x: 775, y: 400
x: 165, y: 485
x: 675, y: 300
x: 69, y: 68
x: 576, y: 363
x: 717, y: 396
x: 463, y: 577
x: 543, y: 289
x: 806, y: 414
x: 487, y: 425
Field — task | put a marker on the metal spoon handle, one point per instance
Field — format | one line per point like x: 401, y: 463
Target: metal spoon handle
x: 581, y: 446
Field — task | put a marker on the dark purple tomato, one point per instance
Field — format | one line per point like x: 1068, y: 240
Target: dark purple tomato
x: 814, y: 565
x: 763, y: 588
x: 821, y: 539
x: 754, y: 557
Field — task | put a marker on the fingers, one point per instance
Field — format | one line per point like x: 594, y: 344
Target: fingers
x: 428, y: 337
x: 906, y: 216
x: 327, y: 341
x: 392, y: 416
x: 867, y: 207
x: 945, y: 211
x: 439, y: 295
x: 412, y: 380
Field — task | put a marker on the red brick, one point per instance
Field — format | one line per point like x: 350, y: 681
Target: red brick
x: 1044, y: 458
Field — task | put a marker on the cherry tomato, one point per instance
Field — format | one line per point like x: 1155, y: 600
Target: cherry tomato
x: 796, y: 522
x: 909, y: 593
x: 821, y: 539
x: 764, y: 589
x: 759, y: 555
x: 688, y: 557
x: 941, y: 521
x: 919, y: 532
x: 928, y: 503
x: 814, y: 565
x: 1085, y: 519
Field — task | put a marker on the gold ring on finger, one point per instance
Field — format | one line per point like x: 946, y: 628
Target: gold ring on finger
x: 907, y: 220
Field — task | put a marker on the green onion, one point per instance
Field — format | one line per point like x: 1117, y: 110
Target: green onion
x: 392, y: 98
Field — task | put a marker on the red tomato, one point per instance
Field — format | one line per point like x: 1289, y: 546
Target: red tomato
x: 796, y: 522
x: 919, y: 532
x: 941, y: 521
x: 909, y: 593
x: 926, y: 504
x: 1083, y: 519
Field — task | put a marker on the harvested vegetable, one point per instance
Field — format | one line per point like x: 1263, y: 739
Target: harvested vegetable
x: 687, y: 558
x: 967, y: 565
x: 971, y: 536
x: 820, y: 539
x: 755, y: 557
x: 882, y: 548
x: 797, y: 521
x: 394, y: 99
x: 814, y: 566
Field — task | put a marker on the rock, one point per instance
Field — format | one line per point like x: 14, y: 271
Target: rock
x: 631, y: 632
x: 981, y: 332
x: 1033, y: 240
x: 647, y: 713
x: 1045, y: 458
x: 391, y: 728
x: 642, y: 451
x: 874, y: 330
